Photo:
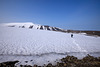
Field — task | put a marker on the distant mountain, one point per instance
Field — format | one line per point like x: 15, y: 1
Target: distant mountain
x: 35, y: 26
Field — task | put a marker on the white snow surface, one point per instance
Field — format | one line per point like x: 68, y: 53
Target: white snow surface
x: 43, y: 46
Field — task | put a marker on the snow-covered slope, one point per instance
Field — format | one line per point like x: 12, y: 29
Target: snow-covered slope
x: 16, y: 41
x: 28, y: 41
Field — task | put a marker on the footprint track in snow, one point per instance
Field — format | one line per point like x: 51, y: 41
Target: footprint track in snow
x: 80, y: 49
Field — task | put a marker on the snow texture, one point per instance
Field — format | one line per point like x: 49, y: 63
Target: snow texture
x: 41, y: 46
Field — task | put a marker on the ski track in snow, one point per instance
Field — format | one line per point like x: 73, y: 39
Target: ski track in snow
x: 80, y: 49
x: 83, y: 51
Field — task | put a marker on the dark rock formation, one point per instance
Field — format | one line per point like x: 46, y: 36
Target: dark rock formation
x: 41, y: 27
x: 31, y: 27
x: 23, y: 26
x: 8, y: 64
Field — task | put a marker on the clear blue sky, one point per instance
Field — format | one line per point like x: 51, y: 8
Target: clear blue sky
x: 66, y: 14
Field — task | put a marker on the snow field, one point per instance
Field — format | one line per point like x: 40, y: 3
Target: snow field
x: 42, y: 46
x: 17, y: 41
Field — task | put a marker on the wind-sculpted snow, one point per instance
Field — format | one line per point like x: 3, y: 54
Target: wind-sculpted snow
x: 27, y: 41
x: 33, y: 42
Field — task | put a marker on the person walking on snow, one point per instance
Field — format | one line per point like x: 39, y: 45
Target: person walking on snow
x: 71, y: 35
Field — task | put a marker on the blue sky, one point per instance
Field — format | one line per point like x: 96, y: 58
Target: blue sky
x: 66, y: 14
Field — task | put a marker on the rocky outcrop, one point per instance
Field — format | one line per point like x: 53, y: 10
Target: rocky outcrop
x: 8, y: 64
x: 69, y: 61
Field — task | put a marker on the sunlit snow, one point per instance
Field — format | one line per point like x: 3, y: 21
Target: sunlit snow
x: 43, y: 46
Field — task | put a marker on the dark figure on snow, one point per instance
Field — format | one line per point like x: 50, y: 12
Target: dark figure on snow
x: 71, y: 35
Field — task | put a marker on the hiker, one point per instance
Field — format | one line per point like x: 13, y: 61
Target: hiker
x: 71, y: 35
